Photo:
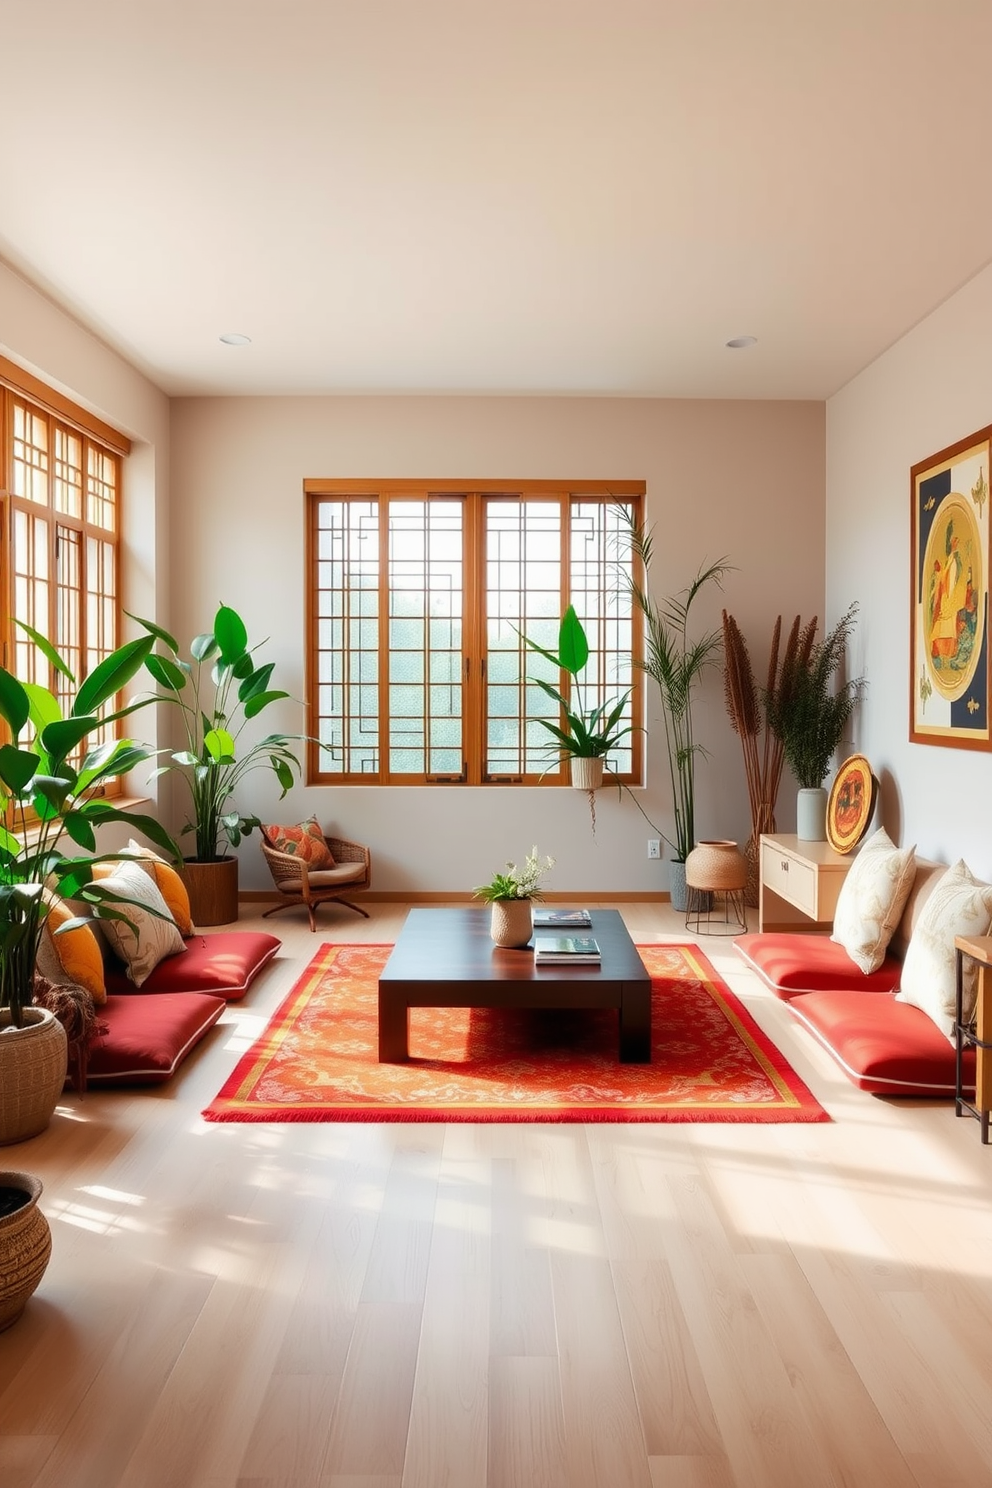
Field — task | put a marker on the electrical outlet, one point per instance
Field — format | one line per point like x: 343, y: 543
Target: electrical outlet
x: 654, y: 848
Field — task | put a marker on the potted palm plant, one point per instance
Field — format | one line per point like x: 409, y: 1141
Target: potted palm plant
x: 676, y: 660
x: 51, y: 788
x: 584, y: 736
x: 218, y: 691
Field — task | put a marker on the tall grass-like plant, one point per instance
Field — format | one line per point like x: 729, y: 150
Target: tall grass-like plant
x: 50, y: 802
x: 811, y: 711
x: 676, y: 660
x: 218, y: 692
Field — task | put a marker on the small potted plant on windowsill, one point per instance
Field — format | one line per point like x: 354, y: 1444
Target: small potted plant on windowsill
x: 587, y: 736
x: 218, y: 691
x: 511, y: 893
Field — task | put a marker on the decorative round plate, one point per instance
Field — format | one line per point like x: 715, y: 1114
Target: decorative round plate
x: 851, y: 804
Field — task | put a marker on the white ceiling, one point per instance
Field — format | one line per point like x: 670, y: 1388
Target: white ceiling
x: 497, y: 196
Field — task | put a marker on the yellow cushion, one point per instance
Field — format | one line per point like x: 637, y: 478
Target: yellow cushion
x: 76, y: 951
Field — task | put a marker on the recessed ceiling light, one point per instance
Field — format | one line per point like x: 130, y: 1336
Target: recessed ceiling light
x: 235, y: 338
x: 736, y: 343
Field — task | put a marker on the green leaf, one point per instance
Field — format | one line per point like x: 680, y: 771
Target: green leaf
x: 257, y: 682
x: 283, y: 773
x: 202, y: 647
x: 255, y: 705
x: 102, y: 811
x: 112, y: 674
x: 61, y: 738
x: 230, y: 633
x: 157, y: 631
x: 166, y: 673
x: 17, y: 767
x: 219, y: 744
x: 80, y: 830
x: 47, y: 649
x: 14, y: 704
x: 573, y: 648
x: 185, y: 757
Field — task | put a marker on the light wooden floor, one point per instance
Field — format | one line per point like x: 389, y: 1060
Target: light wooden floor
x: 431, y: 1306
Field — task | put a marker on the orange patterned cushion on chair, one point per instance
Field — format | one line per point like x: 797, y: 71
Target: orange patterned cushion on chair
x: 305, y: 842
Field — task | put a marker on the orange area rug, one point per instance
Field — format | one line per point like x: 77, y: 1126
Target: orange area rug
x: 318, y: 1060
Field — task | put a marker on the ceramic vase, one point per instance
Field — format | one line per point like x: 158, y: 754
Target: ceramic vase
x: 676, y: 885
x: 512, y: 922
x: 811, y: 815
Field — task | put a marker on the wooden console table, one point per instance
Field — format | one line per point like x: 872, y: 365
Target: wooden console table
x: 977, y: 948
x: 799, y: 883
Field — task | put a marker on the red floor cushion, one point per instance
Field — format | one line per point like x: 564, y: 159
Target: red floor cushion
x: 885, y: 1047
x: 791, y: 963
x: 223, y: 964
x: 147, y: 1038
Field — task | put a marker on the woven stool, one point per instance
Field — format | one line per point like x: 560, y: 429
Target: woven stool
x: 716, y: 881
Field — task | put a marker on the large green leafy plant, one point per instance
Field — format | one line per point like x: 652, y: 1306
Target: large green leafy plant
x: 676, y: 660
x: 588, y: 733
x: 50, y: 784
x: 218, y: 691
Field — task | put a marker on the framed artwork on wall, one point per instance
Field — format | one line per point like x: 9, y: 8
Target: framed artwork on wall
x: 949, y: 611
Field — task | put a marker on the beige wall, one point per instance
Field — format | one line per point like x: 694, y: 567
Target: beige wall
x: 739, y: 479
x: 931, y: 389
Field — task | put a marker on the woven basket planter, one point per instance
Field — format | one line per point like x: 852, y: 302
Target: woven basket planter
x: 512, y: 922
x: 32, y: 1073
x: 25, y: 1247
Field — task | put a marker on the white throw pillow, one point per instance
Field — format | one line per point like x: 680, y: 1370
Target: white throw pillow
x: 872, y: 899
x: 156, y: 937
x: 959, y: 905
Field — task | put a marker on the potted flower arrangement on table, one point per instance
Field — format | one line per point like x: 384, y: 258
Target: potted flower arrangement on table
x: 511, y: 894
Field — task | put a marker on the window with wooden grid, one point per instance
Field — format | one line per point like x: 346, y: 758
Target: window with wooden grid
x: 419, y: 597
x: 60, y: 485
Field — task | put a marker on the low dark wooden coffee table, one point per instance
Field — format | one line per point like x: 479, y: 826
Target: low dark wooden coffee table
x: 445, y: 958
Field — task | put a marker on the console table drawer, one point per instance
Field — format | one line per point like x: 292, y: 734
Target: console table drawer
x: 790, y: 878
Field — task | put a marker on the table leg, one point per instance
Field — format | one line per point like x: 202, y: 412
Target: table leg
x: 983, y: 1049
x: 635, y: 1023
x: 394, y: 1027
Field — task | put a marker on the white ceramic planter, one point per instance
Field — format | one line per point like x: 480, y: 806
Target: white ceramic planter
x: 811, y: 815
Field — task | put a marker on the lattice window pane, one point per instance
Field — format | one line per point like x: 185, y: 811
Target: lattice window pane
x: 605, y: 609
x: 101, y: 488
x: 347, y: 596
x: 69, y: 605
x: 32, y: 590
x: 426, y: 599
x: 29, y: 463
x: 67, y: 486
x: 523, y: 597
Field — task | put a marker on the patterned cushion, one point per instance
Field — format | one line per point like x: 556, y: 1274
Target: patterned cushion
x: 872, y: 898
x: 169, y: 885
x: 959, y: 905
x: 305, y: 841
x: 157, y: 935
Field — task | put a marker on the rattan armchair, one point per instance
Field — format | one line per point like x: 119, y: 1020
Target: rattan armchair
x: 299, y: 884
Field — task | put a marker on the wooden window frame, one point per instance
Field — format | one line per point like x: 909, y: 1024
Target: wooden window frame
x: 20, y: 388
x: 473, y: 639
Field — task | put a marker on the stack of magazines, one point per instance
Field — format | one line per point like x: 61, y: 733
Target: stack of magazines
x: 563, y: 950
x: 562, y: 919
